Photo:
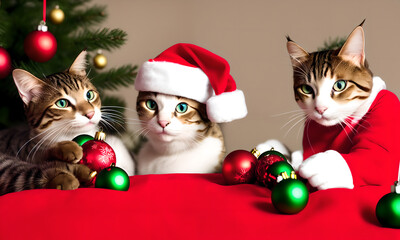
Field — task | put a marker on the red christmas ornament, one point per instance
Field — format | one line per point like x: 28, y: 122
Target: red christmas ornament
x: 238, y: 167
x: 264, y: 162
x: 97, y: 154
x: 5, y: 63
x: 40, y: 45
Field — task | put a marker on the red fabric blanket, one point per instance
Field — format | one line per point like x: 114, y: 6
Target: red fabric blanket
x: 188, y: 206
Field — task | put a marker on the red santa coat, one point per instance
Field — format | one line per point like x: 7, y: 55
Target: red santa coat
x: 371, y: 149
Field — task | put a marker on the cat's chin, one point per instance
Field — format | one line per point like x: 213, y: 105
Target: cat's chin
x: 162, y: 137
x: 327, y: 122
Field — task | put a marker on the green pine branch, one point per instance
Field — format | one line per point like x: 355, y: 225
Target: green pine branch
x: 113, y: 114
x: 106, y: 39
x: 115, y: 78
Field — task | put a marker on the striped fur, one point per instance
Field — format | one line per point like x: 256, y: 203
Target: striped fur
x: 36, y: 156
x: 332, y: 85
x: 172, y: 134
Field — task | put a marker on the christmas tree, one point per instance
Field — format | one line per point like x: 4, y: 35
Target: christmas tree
x: 75, y: 32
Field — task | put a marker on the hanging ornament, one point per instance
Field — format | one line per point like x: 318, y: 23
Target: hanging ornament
x: 269, y: 165
x: 100, y: 61
x: 97, y: 154
x: 289, y: 195
x: 113, y: 178
x: 40, y: 45
x: 238, y: 167
x: 388, y: 208
x: 56, y: 15
x: 5, y: 63
x: 81, y: 139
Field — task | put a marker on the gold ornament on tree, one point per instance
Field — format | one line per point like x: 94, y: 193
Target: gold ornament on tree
x: 57, y: 15
x: 100, y: 61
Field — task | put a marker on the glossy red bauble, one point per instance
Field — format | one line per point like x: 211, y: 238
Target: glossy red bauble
x: 40, y: 46
x: 238, y: 167
x: 5, y: 63
x: 98, y: 155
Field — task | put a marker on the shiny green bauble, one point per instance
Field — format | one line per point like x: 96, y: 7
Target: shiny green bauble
x: 388, y: 210
x: 290, y: 196
x: 113, y: 178
x: 273, y: 152
x: 279, y: 167
x: 81, y: 139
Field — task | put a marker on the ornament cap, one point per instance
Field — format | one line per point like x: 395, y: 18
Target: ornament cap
x: 396, y: 187
x: 100, y: 136
x: 42, y: 26
x: 255, y: 152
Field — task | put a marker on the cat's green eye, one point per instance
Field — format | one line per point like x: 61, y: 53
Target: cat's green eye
x: 151, y: 104
x: 306, y: 89
x: 62, y: 103
x: 339, y: 85
x: 90, y: 95
x: 181, y: 107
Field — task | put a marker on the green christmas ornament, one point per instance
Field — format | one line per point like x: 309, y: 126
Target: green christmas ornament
x: 290, y: 195
x: 388, y: 208
x: 81, y: 139
x: 113, y: 178
x: 279, y: 167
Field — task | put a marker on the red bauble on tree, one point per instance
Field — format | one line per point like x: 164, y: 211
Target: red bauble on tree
x: 5, y: 63
x: 97, y: 154
x: 238, y: 167
x: 40, y: 45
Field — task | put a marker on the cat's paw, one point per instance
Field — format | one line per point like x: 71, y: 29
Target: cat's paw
x: 84, y: 174
x: 62, y: 180
x: 327, y: 170
x: 296, y: 159
x: 67, y: 151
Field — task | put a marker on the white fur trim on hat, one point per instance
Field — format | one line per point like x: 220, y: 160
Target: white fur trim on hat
x: 174, y: 79
x: 226, y: 107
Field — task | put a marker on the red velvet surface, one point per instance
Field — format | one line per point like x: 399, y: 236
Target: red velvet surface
x: 188, y: 206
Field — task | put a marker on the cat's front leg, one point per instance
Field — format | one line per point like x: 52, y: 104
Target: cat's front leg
x: 327, y: 170
x: 67, y: 151
x: 67, y: 176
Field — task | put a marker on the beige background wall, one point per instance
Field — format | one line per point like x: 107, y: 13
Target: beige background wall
x: 251, y: 36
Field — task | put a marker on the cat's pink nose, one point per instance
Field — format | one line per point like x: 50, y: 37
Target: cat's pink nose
x: 90, y: 115
x: 321, y: 110
x: 163, y: 123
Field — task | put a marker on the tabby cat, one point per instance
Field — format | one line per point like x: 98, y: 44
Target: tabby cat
x: 180, y: 137
x: 351, y: 121
x: 58, y: 108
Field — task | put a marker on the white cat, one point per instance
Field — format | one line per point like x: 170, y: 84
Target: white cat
x: 180, y: 137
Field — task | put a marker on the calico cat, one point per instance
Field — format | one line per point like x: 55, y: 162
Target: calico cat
x: 58, y: 108
x: 351, y: 129
x: 180, y: 137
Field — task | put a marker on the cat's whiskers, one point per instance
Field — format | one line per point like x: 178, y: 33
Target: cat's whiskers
x: 117, y: 107
x: 114, y: 118
x: 38, y: 145
x: 302, y: 118
x: 288, y: 112
x: 31, y: 139
x: 348, y: 125
x: 109, y: 125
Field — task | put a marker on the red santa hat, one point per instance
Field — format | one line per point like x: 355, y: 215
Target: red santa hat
x: 193, y: 72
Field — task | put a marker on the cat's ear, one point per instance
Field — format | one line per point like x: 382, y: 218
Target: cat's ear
x: 28, y: 85
x: 353, y: 49
x: 78, y: 67
x: 296, y: 52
